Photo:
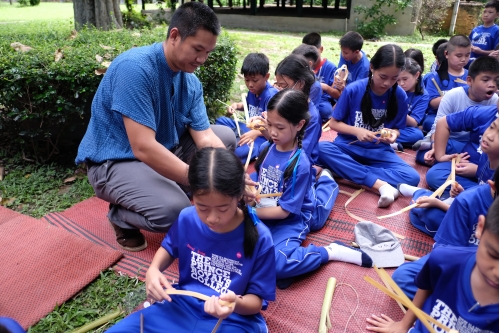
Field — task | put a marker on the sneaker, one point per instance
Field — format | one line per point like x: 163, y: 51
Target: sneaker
x: 129, y: 239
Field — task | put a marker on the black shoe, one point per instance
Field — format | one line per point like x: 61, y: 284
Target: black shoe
x: 129, y: 239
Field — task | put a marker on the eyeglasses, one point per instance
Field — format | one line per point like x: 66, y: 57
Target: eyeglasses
x: 284, y: 86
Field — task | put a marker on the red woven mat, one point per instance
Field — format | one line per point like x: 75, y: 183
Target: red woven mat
x: 298, y: 308
x: 7, y: 215
x: 44, y: 266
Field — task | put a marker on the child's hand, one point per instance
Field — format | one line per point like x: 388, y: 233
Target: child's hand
x: 156, y: 282
x: 338, y: 83
x: 232, y: 109
x: 466, y: 169
x: 388, y: 138
x: 214, y: 308
x: 456, y: 189
x: 248, y: 137
x: 427, y: 202
x: 385, y: 324
x: 429, y: 157
x: 365, y: 135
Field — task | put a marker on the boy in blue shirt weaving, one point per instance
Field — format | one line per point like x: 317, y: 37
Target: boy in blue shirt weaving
x: 457, y: 286
x: 325, y: 72
x: 485, y: 37
x: 351, y: 55
x: 458, y: 228
x: 255, y: 70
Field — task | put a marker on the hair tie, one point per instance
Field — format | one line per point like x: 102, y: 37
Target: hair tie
x: 253, y: 214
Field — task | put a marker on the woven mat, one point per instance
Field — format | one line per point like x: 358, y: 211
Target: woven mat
x: 44, y: 266
x: 298, y: 308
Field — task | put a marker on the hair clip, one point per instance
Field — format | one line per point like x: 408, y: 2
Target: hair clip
x: 253, y: 214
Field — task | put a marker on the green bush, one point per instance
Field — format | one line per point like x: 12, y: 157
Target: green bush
x: 45, y: 105
x: 217, y: 75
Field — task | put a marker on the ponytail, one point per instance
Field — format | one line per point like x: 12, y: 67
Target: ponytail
x: 366, y: 104
x: 251, y: 233
x: 392, y: 105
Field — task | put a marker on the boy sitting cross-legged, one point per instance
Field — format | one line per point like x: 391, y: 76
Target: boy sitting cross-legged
x: 457, y: 286
x: 255, y: 70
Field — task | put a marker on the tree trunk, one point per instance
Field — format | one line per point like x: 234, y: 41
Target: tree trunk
x: 102, y: 14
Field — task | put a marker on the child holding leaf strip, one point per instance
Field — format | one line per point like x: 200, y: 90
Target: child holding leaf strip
x: 244, y: 266
x: 371, y: 161
x: 284, y: 167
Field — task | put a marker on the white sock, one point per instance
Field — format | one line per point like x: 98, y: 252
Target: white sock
x: 387, y: 195
x: 394, y: 146
x: 341, y: 252
x: 326, y: 173
x: 407, y: 190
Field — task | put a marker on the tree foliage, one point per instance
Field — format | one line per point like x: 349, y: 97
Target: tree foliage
x: 431, y: 16
x: 376, y: 17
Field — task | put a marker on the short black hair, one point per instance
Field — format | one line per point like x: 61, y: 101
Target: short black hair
x: 491, y: 221
x: 437, y: 43
x: 352, y: 40
x: 483, y: 65
x: 310, y: 52
x: 416, y: 55
x: 492, y: 4
x: 457, y: 41
x: 255, y: 63
x: 440, y: 52
x: 192, y: 16
x: 312, y: 38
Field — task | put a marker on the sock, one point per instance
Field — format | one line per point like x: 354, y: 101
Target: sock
x: 341, y: 252
x: 394, y: 146
x: 407, y: 190
x: 326, y: 173
x: 425, y: 145
x: 387, y: 195
x: 449, y: 201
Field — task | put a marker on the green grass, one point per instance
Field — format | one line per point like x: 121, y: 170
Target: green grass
x: 108, y: 293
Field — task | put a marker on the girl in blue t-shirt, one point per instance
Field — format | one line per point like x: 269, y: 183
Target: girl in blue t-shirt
x: 284, y: 168
x: 358, y: 154
x: 241, y: 272
x: 294, y: 72
x: 417, y: 100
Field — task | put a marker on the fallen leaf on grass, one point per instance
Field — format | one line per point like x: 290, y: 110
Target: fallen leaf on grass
x: 98, y: 58
x: 73, y: 35
x: 6, y: 201
x: 136, y: 34
x: 27, y: 176
x: 20, y: 47
x: 2, y: 172
x: 106, y: 63
x: 107, y: 56
x: 58, y: 55
x: 70, y: 179
x: 106, y: 47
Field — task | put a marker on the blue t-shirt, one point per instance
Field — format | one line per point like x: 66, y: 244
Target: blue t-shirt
x: 325, y: 74
x: 312, y: 134
x: 475, y: 120
x: 296, y: 198
x: 484, y: 38
x: 357, y: 71
x: 445, y: 86
x: 460, y: 221
x: 211, y: 269
x: 417, y: 104
x: 315, y: 93
x: 484, y: 172
x: 258, y: 104
x: 140, y: 85
x: 447, y: 273
x: 348, y: 110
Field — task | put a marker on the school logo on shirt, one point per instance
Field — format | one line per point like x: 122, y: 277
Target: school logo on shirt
x: 215, y: 271
x: 270, y: 180
x: 472, y: 238
x: 254, y: 111
x: 482, y: 38
x: 377, y: 113
x: 443, y: 313
x: 479, y: 150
